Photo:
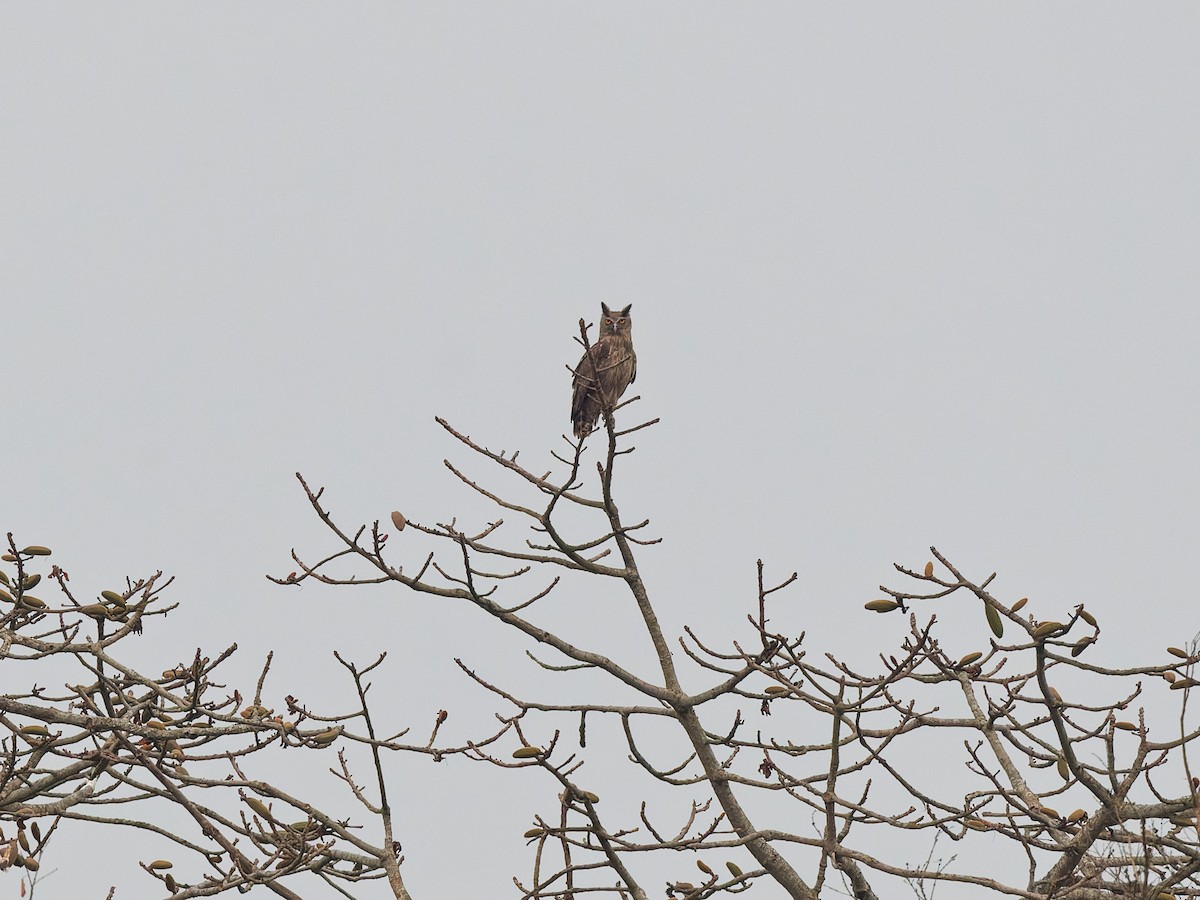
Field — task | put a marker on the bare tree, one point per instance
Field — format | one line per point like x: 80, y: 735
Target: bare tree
x: 127, y: 749
x: 815, y: 799
x: 843, y: 746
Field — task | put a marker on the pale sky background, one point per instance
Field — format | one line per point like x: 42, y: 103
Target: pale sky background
x: 901, y: 275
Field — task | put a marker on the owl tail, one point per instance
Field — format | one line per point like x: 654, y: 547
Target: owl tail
x: 583, y: 427
x: 586, y: 415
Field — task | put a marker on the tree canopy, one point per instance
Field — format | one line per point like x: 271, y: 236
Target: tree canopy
x: 810, y: 774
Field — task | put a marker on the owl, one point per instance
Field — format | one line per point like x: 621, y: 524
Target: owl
x: 609, y: 366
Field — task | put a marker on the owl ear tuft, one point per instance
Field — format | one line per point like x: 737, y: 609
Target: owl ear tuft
x: 604, y: 308
x: 626, y: 310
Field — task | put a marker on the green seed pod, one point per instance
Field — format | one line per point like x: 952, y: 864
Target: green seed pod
x: 160, y: 865
x: 703, y: 867
x: 95, y: 610
x: 1020, y: 604
x: 326, y: 737
x: 169, y: 883
x: 1077, y: 816
x: 881, y: 606
x: 1082, y: 644
x: 5, y: 595
x: 32, y: 864
x: 734, y: 869
x: 31, y: 602
x: 23, y: 840
x: 1088, y: 617
x: 1047, y: 628
x: 36, y: 830
x: 977, y: 825
x: 30, y: 581
x: 35, y: 730
x: 527, y: 752
x: 776, y: 689
x: 589, y: 796
x: 970, y: 658
x: 994, y: 621
x: 1064, y: 771
x: 1049, y: 812
x: 1175, y: 651
x: 1125, y: 726
x: 113, y: 597
x: 259, y: 807
x: 929, y: 569
x: 4, y: 578
x: 534, y: 832
x: 36, y: 550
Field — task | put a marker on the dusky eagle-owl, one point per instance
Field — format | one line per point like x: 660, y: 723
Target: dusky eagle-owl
x: 605, y: 371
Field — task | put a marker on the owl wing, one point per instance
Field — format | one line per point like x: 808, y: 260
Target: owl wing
x: 579, y: 386
x: 585, y: 380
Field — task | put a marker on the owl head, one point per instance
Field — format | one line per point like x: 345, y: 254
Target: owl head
x: 616, y: 321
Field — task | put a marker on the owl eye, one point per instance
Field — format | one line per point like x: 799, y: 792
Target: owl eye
x: 621, y: 321
x: 609, y: 321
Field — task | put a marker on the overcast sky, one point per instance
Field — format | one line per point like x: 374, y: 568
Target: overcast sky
x: 901, y: 275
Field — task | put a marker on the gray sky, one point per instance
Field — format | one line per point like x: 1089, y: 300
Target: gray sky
x: 901, y: 275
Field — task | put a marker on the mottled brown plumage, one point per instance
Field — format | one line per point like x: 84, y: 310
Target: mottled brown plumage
x: 609, y: 366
